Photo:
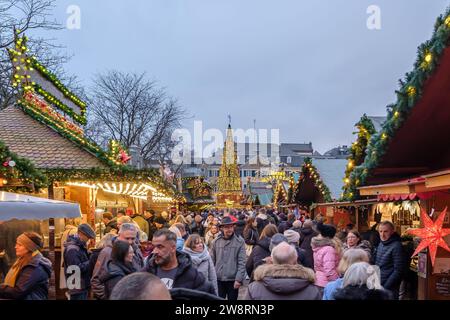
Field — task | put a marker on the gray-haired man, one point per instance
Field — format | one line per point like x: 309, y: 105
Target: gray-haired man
x: 128, y: 232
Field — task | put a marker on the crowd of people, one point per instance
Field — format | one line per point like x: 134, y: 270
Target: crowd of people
x: 211, y: 255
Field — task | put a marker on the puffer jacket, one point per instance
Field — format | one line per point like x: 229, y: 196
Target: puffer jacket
x: 203, y: 263
x: 187, y: 276
x: 228, y: 256
x: 32, y: 281
x: 283, y: 282
x: 260, y: 251
x: 326, y: 259
x: 389, y: 257
x: 113, y: 273
x: 364, y: 245
x: 76, y: 254
x: 306, y: 235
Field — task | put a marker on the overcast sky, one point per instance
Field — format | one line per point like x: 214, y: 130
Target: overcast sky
x: 310, y: 68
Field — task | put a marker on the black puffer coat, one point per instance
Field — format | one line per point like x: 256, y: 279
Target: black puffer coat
x: 32, y: 282
x: 306, y: 235
x: 389, y: 257
x: 260, y: 251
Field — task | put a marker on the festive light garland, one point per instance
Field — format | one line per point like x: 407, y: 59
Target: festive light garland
x: 357, y: 154
x: 409, y: 94
x: 22, y: 77
x: 23, y: 169
x: 309, y: 170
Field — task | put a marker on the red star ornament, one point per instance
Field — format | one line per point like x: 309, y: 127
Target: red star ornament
x: 431, y: 235
x: 124, y: 157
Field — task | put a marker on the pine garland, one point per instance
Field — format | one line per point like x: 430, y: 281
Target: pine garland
x: 410, y: 92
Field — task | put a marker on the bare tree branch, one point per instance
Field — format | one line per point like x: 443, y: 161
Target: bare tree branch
x: 133, y: 110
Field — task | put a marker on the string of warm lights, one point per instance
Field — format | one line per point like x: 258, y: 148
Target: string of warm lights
x: 411, y: 89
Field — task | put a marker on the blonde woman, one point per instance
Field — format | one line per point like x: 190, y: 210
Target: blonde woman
x: 70, y: 229
x: 350, y: 257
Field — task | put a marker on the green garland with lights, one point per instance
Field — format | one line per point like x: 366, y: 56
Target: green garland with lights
x: 290, y: 195
x: 309, y: 170
x: 357, y: 154
x: 280, y: 194
x: 21, y: 77
x: 24, y: 169
x: 81, y: 119
x: 410, y: 92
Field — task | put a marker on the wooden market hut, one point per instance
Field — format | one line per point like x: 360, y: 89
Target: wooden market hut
x: 42, y: 132
x: 410, y: 158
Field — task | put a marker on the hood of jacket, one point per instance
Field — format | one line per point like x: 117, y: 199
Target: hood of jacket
x: 74, y: 240
x: 264, y: 243
x: 395, y: 237
x: 284, y: 279
x: 318, y: 242
x: 197, y: 257
x: 40, y: 260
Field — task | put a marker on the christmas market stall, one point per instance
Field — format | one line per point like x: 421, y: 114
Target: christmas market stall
x: 43, y: 148
x: 409, y: 162
x: 198, y: 194
x: 320, y: 182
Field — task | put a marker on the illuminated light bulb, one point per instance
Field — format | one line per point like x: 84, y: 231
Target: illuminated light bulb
x: 428, y: 57
x: 447, y: 21
x: 396, y: 114
x: 384, y: 136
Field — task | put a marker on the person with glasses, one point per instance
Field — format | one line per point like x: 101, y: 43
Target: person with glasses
x: 354, y: 241
x: 128, y: 232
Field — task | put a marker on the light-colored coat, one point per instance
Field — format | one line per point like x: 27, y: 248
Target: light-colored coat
x: 326, y: 254
x: 204, y: 264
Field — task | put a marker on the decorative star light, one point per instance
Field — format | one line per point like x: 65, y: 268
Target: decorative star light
x: 124, y: 157
x: 431, y: 235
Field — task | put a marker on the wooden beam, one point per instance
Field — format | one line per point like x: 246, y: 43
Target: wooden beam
x: 438, y: 181
x: 378, y: 190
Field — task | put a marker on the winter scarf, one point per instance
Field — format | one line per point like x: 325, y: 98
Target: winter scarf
x: 197, y: 257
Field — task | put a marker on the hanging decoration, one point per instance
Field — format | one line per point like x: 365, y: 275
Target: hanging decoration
x: 431, y: 234
x: 117, y: 152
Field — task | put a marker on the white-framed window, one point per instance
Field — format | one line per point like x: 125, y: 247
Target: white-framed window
x: 289, y: 160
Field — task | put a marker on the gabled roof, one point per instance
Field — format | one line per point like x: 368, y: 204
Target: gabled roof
x: 46, y: 148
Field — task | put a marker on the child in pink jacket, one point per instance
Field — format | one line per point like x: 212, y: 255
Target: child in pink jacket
x: 327, y: 254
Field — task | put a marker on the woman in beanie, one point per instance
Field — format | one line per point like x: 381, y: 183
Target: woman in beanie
x: 28, y: 278
x: 326, y: 253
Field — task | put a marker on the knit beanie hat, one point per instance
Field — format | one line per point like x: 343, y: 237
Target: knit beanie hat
x: 292, y: 236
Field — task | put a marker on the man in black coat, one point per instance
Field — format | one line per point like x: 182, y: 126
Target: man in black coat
x: 389, y: 257
x: 77, y: 266
x: 174, y: 267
